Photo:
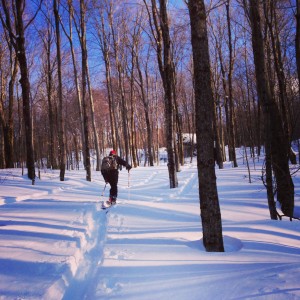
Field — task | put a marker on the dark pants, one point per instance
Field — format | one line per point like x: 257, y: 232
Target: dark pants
x: 112, y: 177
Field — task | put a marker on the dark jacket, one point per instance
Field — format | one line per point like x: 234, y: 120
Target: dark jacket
x: 111, y: 176
x: 114, y: 172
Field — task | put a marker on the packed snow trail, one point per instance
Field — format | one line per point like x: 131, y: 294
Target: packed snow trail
x: 153, y: 247
x: 102, y: 288
x: 57, y: 243
x: 48, y: 233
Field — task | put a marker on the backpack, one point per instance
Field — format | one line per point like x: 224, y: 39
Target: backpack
x: 109, y: 163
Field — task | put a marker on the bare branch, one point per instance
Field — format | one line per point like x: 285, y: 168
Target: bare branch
x: 32, y: 19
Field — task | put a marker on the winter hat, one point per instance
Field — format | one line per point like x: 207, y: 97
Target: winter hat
x: 112, y: 152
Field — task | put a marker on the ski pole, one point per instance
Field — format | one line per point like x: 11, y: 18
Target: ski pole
x: 103, y: 190
x: 128, y: 194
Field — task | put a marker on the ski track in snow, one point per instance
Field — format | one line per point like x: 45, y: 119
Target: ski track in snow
x: 122, y: 235
x: 56, y: 244
x: 148, y: 246
x: 88, y: 282
x: 88, y: 288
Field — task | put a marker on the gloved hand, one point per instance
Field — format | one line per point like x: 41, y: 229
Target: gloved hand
x: 128, y: 167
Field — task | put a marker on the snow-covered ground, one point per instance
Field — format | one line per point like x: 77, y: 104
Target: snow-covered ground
x: 57, y: 243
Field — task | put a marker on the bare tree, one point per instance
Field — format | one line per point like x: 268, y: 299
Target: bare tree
x: 160, y: 32
x: 16, y: 31
x: 276, y: 144
x: 69, y: 36
x: 85, y: 72
x: 209, y: 202
x: 118, y: 39
x: 6, y: 119
x: 167, y: 76
x: 104, y: 35
x: 82, y: 37
x: 297, y: 45
x: 231, y: 120
x: 297, y: 39
x: 136, y: 52
x: 47, y: 38
x: 61, y: 129
x: 2, y: 96
x: 272, y: 23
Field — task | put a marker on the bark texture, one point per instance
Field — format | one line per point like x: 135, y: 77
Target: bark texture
x: 209, y: 201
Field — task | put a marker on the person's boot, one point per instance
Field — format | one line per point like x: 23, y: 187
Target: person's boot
x: 111, y: 201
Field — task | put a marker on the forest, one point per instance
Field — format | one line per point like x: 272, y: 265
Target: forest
x: 80, y: 76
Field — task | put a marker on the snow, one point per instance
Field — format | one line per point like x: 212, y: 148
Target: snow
x: 57, y: 243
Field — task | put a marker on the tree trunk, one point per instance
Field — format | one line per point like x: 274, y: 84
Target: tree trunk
x: 178, y: 143
x: 111, y: 103
x: 132, y: 108
x: 209, y: 202
x: 6, y: 119
x: 252, y: 125
x: 279, y: 69
x: 297, y: 39
x: 77, y: 85
x: 120, y: 77
x: 104, y: 45
x: 226, y: 108
x: 18, y: 42
x: 231, y: 142
x: 51, y: 163
x: 177, y: 129
x: 297, y: 46
x: 61, y: 123
x: 269, y: 179
x: 96, y: 139
x: 167, y: 77
x: 163, y: 53
x: 218, y: 149
x: 9, y: 151
x: 2, y: 118
x: 84, y: 96
x: 274, y: 132
x: 82, y: 39
x: 146, y: 111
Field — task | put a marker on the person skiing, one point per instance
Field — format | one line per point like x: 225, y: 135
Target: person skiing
x: 110, y: 173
